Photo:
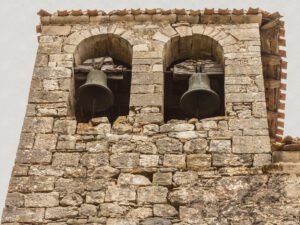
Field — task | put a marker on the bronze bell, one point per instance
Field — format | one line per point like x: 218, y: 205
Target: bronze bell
x: 95, y: 96
x: 199, y: 100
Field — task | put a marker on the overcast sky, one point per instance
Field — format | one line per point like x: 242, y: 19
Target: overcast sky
x: 18, y: 44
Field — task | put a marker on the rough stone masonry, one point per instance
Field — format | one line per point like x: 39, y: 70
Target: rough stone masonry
x: 140, y: 169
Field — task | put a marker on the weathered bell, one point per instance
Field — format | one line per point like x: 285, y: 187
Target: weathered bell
x: 95, y: 95
x: 199, y: 100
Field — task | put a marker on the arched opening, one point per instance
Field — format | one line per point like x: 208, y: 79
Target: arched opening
x: 182, y: 56
x: 112, y: 55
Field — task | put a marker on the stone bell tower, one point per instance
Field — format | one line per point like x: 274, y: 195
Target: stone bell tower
x: 127, y: 149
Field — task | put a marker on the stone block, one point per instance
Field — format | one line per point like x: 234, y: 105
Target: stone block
x: 177, y: 161
x: 147, y: 78
x: 198, y: 145
x: 220, y: 146
x: 50, y: 48
x: 184, y: 135
x: 95, y: 160
x: 121, y: 221
x: 38, y: 124
x: 66, y: 159
x: 164, y: 210
x: 168, y: 145
x: 125, y: 160
x: 251, y: 123
x: 251, y: 144
x: 71, y: 199
x: 45, y: 141
x: 231, y: 160
x: 185, y: 178
x: 40, y: 200
x: 140, y: 213
x: 146, y: 148
x: 176, y: 127
x: 70, y: 185
x: 112, y: 210
x: 120, y: 194
x: 26, y: 140
x: 156, y: 221
x: 15, y: 200
x: 286, y: 156
x: 149, y: 118
x: 31, y: 184
x: 262, y: 159
x: 86, y: 129
x: 61, y: 212
x: 103, y: 172
x: 155, y: 99
x: 152, y: 195
x: 48, y: 96
x: 133, y: 179
x: 149, y: 160
x: 95, y: 197
x: 209, y: 125
x: 102, y: 146
x: 23, y: 215
x: 87, y: 210
x: 150, y: 129
x: 198, y: 161
x: 163, y: 179
x: 65, y: 126
x: 51, y: 73
x: 56, y: 30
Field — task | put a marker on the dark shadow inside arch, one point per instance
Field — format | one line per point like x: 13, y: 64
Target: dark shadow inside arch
x: 120, y: 51
x: 191, y: 48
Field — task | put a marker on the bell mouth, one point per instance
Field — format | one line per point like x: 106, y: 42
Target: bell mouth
x: 200, y: 103
x: 94, y: 98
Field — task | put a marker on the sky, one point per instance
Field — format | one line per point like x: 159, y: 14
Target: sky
x: 18, y: 45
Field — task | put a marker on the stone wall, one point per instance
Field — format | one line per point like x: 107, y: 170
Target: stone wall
x: 141, y: 170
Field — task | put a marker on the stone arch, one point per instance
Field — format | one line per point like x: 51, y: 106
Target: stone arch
x: 191, y: 42
x: 95, y: 43
x: 198, y: 41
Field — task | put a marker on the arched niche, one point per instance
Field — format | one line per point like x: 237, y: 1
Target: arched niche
x: 120, y: 50
x: 179, y: 49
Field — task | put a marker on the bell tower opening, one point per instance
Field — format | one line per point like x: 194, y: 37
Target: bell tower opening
x: 194, y: 78
x: 102, y: 78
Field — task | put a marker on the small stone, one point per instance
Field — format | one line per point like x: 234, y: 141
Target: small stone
x: 95, y: 160
x: 65, y: 126
x: 262, y: 159
x: 66, y: 159
x: 72, y: 199
x: 198, y: 145
x: 119, y: 194
x: 168, y: 145
x: 140, y: 213
x: 88, y: 210
x: 45, y: 141
x: 61, y: 212
x: 123, y: 146
x: 198, y: 161
x: 209, y: 125
x: 152, y: 195
x: 163, y: 179
x: 146, y: 148
x: 183, y: 178
x: 112, y: 210
x: 184, y: 135
x: 150, y: 129
x: 39, y: 200
x: 103, y: 172
x: 149, y: 160
x: 132, y: 179
x: 220, y: 146
x: 164, y: 210
x: 156, y: 221
x: 95, y: 197
x: 177, y: 161
x: 125, y: 160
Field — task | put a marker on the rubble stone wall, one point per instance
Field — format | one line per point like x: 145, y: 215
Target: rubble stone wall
x: 141, y: 170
